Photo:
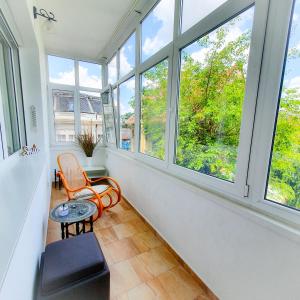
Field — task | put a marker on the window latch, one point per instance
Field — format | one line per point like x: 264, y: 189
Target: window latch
x: 246, y: 190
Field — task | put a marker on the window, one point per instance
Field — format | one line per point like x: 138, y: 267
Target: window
x: 127, y: 116
x: 61, y: 70
x: 108, y: 111
x: 77, y: 109
x: 207, y: 125
x: 64, y: 120
x: 154, y: 110
x: 212, y: 89
x: 90, y: 75
x: 284, y: 175
x: 157, y: 28
x: 91, y: 114
x: 127, y: 56
x: 12, y: 124
x: 112, y: 70
x: 194, y: 11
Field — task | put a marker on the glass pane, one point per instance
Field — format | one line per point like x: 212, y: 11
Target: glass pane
x: 90, y: 75
x: 127, y: 56
x: 212, y: 89
x: 112, y: 70
x: 64, y: 122
x: 157, y: 28
x: 284, y: 176
x: 127, y: 117
x: 154, y: 110
x: 61, y: 70
x: 116, y: 111
x: 8, y: 99
x: 109, y: 118
x: 194, y: 11
x: 91, y: 115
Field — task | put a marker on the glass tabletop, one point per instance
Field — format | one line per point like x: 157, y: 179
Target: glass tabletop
x: 76, y: 211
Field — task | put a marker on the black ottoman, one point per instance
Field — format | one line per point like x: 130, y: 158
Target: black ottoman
x: 74, y: 269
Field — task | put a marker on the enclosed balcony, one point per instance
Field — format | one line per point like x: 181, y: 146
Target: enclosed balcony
x: 149, y: 149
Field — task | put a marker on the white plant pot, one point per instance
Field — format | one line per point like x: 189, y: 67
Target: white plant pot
x: 89, y: 161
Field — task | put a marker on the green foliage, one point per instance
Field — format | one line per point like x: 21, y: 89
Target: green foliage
x: 153, y: 110
x: 211, y: 97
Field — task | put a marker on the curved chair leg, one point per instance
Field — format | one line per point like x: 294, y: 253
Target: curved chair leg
x: 118, y: 197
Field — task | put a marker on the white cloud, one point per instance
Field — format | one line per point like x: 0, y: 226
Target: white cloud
x: 200, y: 55
x: 125, y: 66
x: 294, y: 82
x: 194, y: 11
x: 112, y: 70
x: 64, y: 78
x: 163, y: 14
x: 86, y: 80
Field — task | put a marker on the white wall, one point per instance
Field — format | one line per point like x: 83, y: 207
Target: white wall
x: 19, y: 282
x: 25, y: 182
x: 237, y: 253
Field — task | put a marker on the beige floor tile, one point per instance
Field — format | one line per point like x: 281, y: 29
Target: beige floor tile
x: 158, y: 260
x: 180, y: 285
x: 107, y: 255
x: 140, y: 225
x: 158, y: 289
x: 108, y: 219
x: 141, y: 269
x: 121, y: 250
x: 128, y: 215
x: 123, y: 278
x: 53, y: 235
x: 105, y: 235
x: 142, y: 291
x: 146, y: 240
x: 122, y: 297
x: 125, y: 205
x: 141, y: 266
x: 124, y: 230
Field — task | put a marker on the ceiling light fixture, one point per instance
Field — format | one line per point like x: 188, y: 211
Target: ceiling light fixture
x: 43, y: 13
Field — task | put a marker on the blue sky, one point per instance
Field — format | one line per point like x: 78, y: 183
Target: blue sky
x: 292, y: 70
x: 242, y: 23
x: 61, y: 70
x: 127, y: 56
x: 126, y: 92
x: 157, y: 28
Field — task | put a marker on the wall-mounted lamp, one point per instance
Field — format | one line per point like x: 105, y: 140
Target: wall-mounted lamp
x: 43, y: 13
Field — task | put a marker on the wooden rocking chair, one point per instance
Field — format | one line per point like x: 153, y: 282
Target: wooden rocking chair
x: 79, y: 186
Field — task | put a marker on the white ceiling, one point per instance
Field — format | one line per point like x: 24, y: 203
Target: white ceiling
x: 83, y: 27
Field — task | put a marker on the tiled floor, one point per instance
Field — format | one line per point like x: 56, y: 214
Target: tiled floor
x: 141, y: 265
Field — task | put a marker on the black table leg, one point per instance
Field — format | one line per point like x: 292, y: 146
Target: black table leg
x: 55, y: 179
x: 83, y: 226
x: 91, y: 224
x: 62, y: 226
x: 77, y: 228
x: 67, y: 230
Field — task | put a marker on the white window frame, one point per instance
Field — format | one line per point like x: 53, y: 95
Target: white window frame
x: 268, y: 97
x: 76, y: 89
x: 17, y: 90
x: 269, y: 32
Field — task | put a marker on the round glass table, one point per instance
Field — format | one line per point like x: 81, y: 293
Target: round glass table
x: 74, y: 212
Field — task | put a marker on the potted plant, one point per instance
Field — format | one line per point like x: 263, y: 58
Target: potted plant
x: 87, y: 143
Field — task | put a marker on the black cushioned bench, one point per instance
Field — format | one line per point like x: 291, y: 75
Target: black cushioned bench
x: 74, y: 269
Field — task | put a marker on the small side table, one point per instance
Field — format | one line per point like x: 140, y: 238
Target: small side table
x: 79, y: 211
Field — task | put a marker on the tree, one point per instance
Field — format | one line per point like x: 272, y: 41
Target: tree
x: 211, y: 96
